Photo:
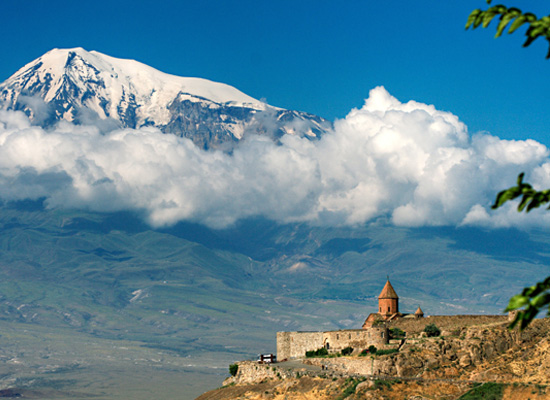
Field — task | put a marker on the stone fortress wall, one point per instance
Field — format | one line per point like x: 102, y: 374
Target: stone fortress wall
x: 445, y: 322
x: 375, y: 330
x: 295, y: 344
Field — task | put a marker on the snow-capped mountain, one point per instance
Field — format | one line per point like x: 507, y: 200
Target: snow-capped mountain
x: 79, y: 86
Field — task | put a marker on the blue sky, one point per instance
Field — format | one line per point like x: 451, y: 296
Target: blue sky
x: 317, y: 56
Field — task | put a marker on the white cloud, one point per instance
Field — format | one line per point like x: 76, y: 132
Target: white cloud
x: 406, y: 161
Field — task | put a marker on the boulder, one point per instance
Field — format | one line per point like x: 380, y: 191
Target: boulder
x: 408, y: 366
x: 365, y: 386
x: 431, y: 362
x: 465, y: 360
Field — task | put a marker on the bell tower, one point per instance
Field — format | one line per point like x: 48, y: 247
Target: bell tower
x: 388, y: 301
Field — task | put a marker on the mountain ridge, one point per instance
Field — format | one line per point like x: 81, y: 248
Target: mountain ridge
x: 78, y: 86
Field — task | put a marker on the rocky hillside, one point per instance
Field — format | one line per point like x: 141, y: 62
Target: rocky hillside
x: 467, y: 363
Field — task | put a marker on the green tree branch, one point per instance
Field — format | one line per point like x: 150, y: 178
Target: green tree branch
x: 532, y: 299
x: 537, y: 27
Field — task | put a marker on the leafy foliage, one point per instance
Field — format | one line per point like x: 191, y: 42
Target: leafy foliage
x: 397, y: 333
x: 387, y: 351
x: 530, y: 198
x: 489, y: 391
x: 383, y: 384
x: 533, y: 299
x: 536, y: 297
x: 233, y: 369
x: 350, y: 388
x: 317, y: 353
x: 432, y: 330
x: 538, y: 27
x: 372, y: 350
x: 347, y: 350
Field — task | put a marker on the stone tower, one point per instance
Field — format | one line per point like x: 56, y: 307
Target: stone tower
x: 388, y: 301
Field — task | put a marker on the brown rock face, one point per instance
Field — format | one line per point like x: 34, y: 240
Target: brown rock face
x: 519, y: 362
x: 409, y: 366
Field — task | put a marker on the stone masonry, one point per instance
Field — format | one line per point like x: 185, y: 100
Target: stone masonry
x: 295, y: 344
x: 375, y: 329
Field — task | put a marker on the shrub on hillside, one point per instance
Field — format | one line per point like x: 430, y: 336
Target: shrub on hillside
x: 396, y: 333
x: 350, y: 389
x: 388, y: 351
x: 233, y: 369
x: 347, y: 351
x: 375, y: 352
x: 432, y: 330
x: 317, y: 353
x: 489, y: 391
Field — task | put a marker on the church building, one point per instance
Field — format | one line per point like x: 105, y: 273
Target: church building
x: 388, y: 308
x: 374, y: 331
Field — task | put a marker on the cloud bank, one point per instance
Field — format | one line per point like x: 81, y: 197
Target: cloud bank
x: 406, y: 162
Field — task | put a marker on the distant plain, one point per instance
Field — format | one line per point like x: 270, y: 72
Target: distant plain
x: 102, y: 306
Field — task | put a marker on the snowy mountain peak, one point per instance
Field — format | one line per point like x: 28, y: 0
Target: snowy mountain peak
x: 74, y: 82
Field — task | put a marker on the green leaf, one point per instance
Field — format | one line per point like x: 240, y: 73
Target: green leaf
x: 479, y: 19
x: 488, y: 17
x: 541, y: 301
x: 536, y: 31
x: 472, y: 17
x: 528, y: 316
x: 502, y: 198
x: 533, y: 298
x: 524, y: 322
x: 520, y: 178
x: 516, y: 302
x: 523, y: 203
x: 517, y: 23
x: 537, y: 201
x: 505, y: 20
x: 516, y: 11
x: 530, y: 17
x: 505, y: 195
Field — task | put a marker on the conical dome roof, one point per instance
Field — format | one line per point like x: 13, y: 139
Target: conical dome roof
x: 419, y: 311
x: 388, y: 292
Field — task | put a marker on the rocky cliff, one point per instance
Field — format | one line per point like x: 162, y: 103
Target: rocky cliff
x: 475, y: 360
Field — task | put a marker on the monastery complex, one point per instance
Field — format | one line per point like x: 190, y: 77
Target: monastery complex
x: 375, y: 330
